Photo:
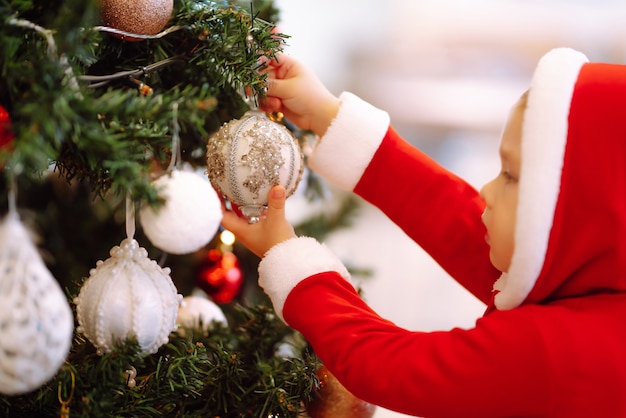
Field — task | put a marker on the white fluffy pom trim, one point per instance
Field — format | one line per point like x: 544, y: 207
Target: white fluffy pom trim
x: 350, y: 142
x: 544, y: 136
x: 292, y: 261
x: 190, y: 216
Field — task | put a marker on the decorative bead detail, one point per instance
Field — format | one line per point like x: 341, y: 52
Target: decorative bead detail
x: 128, y: 295
x: 248, y: 156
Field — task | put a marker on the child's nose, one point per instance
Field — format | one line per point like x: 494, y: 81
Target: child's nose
x: 484, y: 191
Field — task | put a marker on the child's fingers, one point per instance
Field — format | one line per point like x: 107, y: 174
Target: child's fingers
x: 276, y: 203
x: 270, y: 104
x: 233, y: 223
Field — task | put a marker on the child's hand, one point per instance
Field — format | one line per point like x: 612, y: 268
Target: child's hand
x: 295, y: 90
x: 272, y: 229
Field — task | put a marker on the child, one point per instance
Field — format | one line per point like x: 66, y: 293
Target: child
x: 543, y: 245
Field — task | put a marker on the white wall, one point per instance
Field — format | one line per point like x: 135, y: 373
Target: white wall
x: 447, y: 71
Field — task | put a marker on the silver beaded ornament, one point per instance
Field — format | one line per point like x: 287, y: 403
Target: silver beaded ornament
x: 246, y: 157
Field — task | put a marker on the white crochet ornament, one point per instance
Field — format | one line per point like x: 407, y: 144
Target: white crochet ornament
x: 188, y: 219
x: 248, y: 156
x: 36, y: 322
x: 127, y: 296
x: 199, y: 313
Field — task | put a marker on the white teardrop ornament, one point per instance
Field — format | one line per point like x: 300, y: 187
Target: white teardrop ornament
x: 127, y: 296
x: 250, y: 155
x: 36, y: 322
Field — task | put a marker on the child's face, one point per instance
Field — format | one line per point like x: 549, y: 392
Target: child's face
x: 500, y: 194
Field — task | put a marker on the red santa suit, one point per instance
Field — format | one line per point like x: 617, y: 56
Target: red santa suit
x: 552, y: 342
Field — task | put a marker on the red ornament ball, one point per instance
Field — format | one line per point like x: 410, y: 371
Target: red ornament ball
x: 142, y: 17
x: 333, y: 400
x: 220, y: 276
x: 6, y: 135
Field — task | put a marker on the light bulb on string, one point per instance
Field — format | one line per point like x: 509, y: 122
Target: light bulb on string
x: 227, y: 238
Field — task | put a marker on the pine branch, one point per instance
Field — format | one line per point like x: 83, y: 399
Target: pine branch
x: 68, y: 108
x: 320, y: 225
x: 233, y: 372
x: 102, y: 112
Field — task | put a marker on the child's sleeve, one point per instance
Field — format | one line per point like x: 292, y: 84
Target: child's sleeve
x: 361, y: 152
x: 443, y: 373
x: 484, y: 371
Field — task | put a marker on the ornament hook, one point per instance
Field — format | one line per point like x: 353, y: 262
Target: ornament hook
x: 65, y: 403
x: 12, y: 197
x: 130, y: 217
x: 130, y: 375
x: 176, y: 156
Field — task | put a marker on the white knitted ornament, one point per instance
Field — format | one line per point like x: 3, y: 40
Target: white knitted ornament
x: 248, y: 156
x: 127, y: 296
x: 199, y: 313
x: 190, y: 216
x: 36, y: 323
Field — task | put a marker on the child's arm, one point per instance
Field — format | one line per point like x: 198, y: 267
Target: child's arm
x: 359, y: 151
x: 437, y: 209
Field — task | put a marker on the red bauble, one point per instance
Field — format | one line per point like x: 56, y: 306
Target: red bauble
x: 220, y: 276
x: 6, y: 135
x: 333, y: 400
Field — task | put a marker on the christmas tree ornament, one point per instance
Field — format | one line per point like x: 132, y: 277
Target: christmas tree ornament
x: 190, y: 216
x: 220, y: 276
x: 140, y: 17
x: 36, y: 323
x: 127, y: 296
x: 66, y: 401
x: 130, y: 374
x: 199, y: 314
x: 246, y: 157
x: 333, y: 400
x: 6, y: 136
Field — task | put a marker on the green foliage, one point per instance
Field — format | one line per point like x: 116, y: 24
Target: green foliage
x: 234, y: 371
x: 320, y: 225
x: 102, y: 112
x: 74, y: 91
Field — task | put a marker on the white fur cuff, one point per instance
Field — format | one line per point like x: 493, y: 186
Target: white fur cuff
x: 350, y: 142
x: 290, y: 262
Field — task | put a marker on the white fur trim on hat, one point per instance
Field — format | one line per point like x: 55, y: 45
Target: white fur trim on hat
x: 290, y: 262
x: 544, y: 136
x: 350, y: 142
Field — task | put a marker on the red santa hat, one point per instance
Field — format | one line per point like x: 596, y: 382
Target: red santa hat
x: 572, y: 187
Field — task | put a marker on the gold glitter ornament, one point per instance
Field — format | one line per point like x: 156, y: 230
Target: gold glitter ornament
x: 250, y: 155
x: 141, y: 17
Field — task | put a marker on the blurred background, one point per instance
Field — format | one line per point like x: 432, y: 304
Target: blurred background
x: 447, y: 72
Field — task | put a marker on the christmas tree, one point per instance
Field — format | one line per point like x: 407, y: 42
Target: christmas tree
x: 97, y: 100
